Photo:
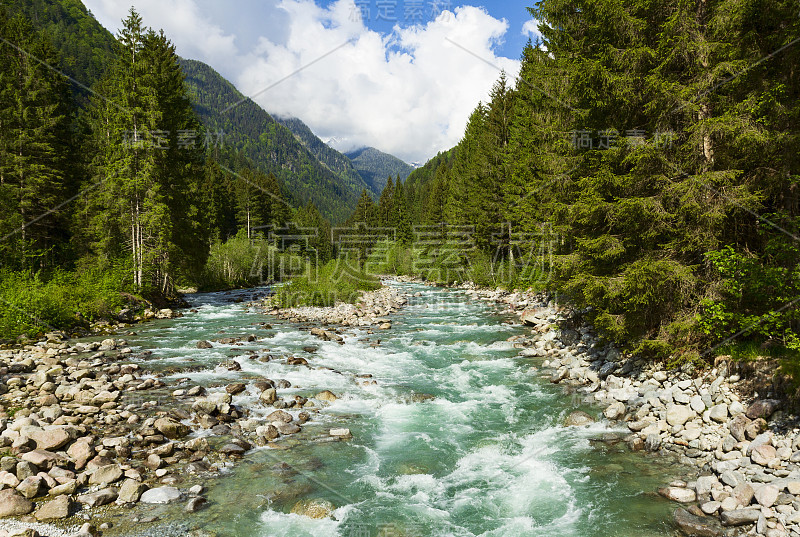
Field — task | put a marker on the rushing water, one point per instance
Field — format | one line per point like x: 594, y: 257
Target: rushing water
x: 485, y: 456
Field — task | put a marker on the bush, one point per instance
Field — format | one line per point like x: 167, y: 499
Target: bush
x: 32, y: 303
x: 338, y: 280
x: 245, y: 262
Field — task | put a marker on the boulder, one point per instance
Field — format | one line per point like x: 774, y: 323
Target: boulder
x: 161, y: 495
x: 615, y: 410
x: 13, y: 504
x: 268, y: 396
x: 326, y: 396
x: 51, y: 439
x: 171, y: 428
x: 54, y: 509
x: 694, y: 525
x: 679, y: 414
x: 130, y: 491
x: 204, y: 345
x: 737, y: 427
x: 578, y: 418
x: 740, y: 517
x: 762, y: 408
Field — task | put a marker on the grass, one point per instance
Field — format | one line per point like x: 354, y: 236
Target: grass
x: 336, y: 281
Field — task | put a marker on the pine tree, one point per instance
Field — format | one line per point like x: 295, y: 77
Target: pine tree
x: 35, y: 141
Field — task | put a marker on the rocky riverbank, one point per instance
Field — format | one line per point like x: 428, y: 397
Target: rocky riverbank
x: 746, y: 453
x: 371, y: 310
x: 88, y: 432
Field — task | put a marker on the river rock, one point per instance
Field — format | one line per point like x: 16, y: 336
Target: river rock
x: 195, y: 504
x: 578, y: 418
x: 615, y: 410
x: 678, y: 494
x: 766, y: 495
x: 287, y: 428
x: 130, y: 491
x: 316, y: 509
x: 739, y: 517
x: 269, y: 396
x: 267, y: 431
x: 737, y: 427
x: 204, y: 345
x: 54, y: 509
x: 710, y: 508
x: 279, y: 415
x: 743, y: 492
x: 694, y: 525
x: 341, y: 433
x: 105, y: 475
x: 755, y: 428
x: 31, y: 487
x: 652, y: 442
x: 232, y: 449
x: 719, y: 413
x: 50, y: 440
x: 763, y: 455
x: 704, y: 484
x: 762, y: 408
x: 80, y: 452
x: 13, y: 504
x: 101, y: 497
x: 326, y: 395
x: 235, y: 388
x: 171, y: 428
x: 161, y: 495
x: 679, y: 414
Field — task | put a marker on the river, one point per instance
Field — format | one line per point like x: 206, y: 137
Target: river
x: 486, y: 455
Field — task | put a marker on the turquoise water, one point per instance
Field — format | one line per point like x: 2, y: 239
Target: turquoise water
x: 455, y: 437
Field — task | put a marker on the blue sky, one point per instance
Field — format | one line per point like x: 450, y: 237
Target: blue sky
x: 399, y: 75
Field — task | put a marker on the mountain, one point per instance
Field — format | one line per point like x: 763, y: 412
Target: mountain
x: 328, y: 156
x: 376, y: 167
x: 86, y: 50
x: 250, y: 130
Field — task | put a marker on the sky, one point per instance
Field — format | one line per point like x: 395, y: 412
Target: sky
x: 399, y: 75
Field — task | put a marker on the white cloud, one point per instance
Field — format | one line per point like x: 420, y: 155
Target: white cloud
x: 408, y: 93
x: 531, y: 28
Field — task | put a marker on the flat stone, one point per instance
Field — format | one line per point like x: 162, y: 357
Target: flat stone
x: 739, y: 517
x: 54, y: 509
x: 50, y: 439
x: 235, y: 388
x: 13, y: 504
x: 161, y: 495
x: 342, y: 432
x: 101, y: 497
x: 694, y: 525
x: 42, y: 458
x: 287, y: 428
x: 232, y: 449
x: 710, y: 508
x: 105, y: 475
x: 678, y: 494
x: 719, y: 413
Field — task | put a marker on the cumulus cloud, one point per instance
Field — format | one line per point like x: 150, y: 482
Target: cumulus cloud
x: 409, y: 92
x: 531, y: 28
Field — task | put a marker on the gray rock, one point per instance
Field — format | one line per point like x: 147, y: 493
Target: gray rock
x: 743, y: 492
x: 697, y: 404
x: 614, y: 411
x: 161, y: 495
x: 739, y: 517
x: 101, y: 497
x: 694, y: 525
x: 719, y: 413
x: 232, y: 449
x: 704, y: 485
x: 731, y: 478
x: 105, y: 475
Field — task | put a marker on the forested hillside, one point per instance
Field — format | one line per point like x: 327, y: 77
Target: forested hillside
x: 645, y: 165
x: 332, y: 159
x: 376, y: 167
x: 247, y: 128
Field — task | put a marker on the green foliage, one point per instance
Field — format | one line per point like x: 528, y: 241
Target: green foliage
x: 339, y: 280
x: 33, y: 303
x: 375, y: 167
